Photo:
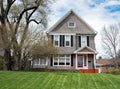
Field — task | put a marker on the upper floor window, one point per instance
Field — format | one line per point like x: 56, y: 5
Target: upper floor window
x: 56, y: 40
x: 67, y: 40
x: 83, y: 40
x: 63, y: 40
x: 71, y: 24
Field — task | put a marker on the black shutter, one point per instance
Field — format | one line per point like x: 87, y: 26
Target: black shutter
x: 71, y: 60
x: 79, y: 41
x: 52, y: 37
x: 71, y: 41
x: 51, y: 61
x: 62, y: 39
x: 88, y: 41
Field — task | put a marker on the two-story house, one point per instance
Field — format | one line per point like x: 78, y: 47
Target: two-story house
x: 75, y: 41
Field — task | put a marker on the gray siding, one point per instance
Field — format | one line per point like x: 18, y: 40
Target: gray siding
x: 81, y: 26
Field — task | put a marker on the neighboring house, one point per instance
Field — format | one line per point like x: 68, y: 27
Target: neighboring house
x: 104, y: 65
x: 75, y: 41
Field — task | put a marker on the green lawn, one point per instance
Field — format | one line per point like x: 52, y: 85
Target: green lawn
x: 58, y: 80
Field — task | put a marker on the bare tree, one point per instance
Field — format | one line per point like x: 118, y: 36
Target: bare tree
x: 15, y: 19
x: 44, y: 44
x: 110, y: 41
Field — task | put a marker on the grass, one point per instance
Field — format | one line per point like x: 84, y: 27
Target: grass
x: 57, y: 80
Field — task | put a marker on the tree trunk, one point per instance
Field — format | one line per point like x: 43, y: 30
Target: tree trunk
x: 8, y: 63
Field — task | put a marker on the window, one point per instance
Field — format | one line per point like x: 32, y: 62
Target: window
x: 67, y: 40
x: 62, y: 60
x: 71, y: 24
x: 83, y: 40
x: 56, y: 40
x: 36, y: 61
x: 108, y: 67
x: 40, y: 62
x: 55, y: 60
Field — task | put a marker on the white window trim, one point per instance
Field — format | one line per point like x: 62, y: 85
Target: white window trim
x: 83, y: 44
x: 71, y: 26
x: 68, y: 40
x: 58, y: 39
x: 64, y: 61
x: 40, y: 63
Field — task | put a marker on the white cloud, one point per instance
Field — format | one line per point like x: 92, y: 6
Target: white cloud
x: 96, y: 16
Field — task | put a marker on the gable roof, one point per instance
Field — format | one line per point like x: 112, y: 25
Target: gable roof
x: 64, y: 17
x: 85, y: 50
x: 104, y: 61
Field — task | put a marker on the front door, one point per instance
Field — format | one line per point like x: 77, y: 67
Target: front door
x: 82, y: 61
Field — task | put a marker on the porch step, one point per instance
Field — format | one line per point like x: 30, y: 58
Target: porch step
x: 89, y: 71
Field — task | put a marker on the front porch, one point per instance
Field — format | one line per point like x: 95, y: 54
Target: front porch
x: 84, y: 61
x: 85, y: 58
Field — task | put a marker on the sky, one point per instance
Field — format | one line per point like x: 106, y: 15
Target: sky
x: 97, y: 13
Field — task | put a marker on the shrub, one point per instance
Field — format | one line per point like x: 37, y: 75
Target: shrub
x: 116, y: 72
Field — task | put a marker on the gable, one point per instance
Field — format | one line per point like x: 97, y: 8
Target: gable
x: 86, y: 50
x: 62, y: 25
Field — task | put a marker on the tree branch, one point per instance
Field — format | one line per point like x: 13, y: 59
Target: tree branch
x: 10, y: 3
x: 20, y: 16
x: 35, y: 21
x: 32, y: 13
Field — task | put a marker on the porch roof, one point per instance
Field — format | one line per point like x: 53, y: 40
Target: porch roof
x: 85, y: 50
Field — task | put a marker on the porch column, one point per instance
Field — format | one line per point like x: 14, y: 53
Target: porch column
x: 87, y: 61
x: 94, y: 61
x: 76, y: 60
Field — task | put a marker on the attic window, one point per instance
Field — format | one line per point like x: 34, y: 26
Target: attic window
x: 71, y: 25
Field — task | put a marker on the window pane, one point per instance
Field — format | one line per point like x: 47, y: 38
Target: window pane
x: 56, y: 37
x: 71, y: 24
x: 67, y: 63
x: 61, y: 55
x: 55, y: 63
x: 61, y: 63
x: 67, y: 40
x: 56, y: 43
x: 62, y: 60
x: 67, y: 55
x: 42, y: 61
x: 67, y: 43
x: 56, y: 40
x: 36, y: 61
x: 83, y: 41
